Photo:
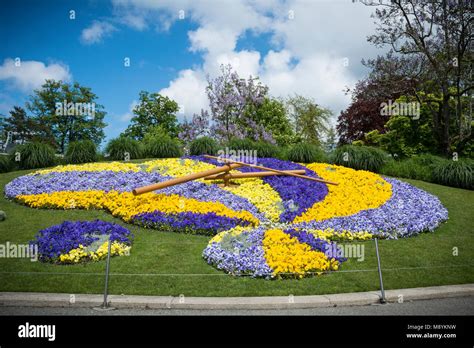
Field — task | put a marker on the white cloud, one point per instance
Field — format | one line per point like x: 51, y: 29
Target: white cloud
x: 210, y: 39
x: 307, y: 49
x: 189, y: 91
x: 32, y: 74
x: 126, y: 117
x: 98, y: 30
x: 134, y: 21
x: 318, y: 76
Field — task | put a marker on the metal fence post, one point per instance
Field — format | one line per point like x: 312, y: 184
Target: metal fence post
x: 105, y: 305
x: 382, y: 299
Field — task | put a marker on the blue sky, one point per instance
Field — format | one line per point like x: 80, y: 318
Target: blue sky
x: 294, y: 46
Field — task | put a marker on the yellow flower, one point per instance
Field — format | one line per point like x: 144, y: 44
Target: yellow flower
x: 260, y: 194
x: 80, y: 255
x: 288, y: 257
x: 125, y: 205
x: 357, y: 190
x: 176, y: 166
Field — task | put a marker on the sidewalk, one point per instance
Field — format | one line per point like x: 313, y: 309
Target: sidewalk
x: 271, y: 302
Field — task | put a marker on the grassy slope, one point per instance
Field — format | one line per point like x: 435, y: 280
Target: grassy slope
x: 178, y: 268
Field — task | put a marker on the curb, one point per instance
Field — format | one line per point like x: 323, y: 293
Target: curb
x: 31, y: 299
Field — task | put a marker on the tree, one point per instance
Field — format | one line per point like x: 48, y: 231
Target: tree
x: 310, y: 120
x: 331, y: 140
x: 230, y: 99
x: 272, y: 117
x: 436, y: 36
x: 69, y: 111
x: 364, y: 113
x: 152, y: 110
x: 199, y: 126
x: 19, y: 124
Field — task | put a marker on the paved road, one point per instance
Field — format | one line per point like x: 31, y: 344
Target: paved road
x: 448, y: 306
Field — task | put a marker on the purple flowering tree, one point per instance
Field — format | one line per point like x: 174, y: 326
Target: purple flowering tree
x: 229, y: 98
x: 199, y: 126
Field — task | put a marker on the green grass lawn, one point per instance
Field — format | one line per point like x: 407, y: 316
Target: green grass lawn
x: 171, y: 263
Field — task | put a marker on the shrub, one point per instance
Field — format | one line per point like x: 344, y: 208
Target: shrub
x: 409, y: 169
x: 241, y: 144
x: 33, y: 155
x: 455, y: 173
x: 6, y: 164
x: 203, y: 146
x: 266, y: 150
x: 360, y: 157
x: 83, y: 151
x: 305, y: 153
x: 116, y: 148
x: 283, y: 153
x: 427, y: 160
x: 162, y: 147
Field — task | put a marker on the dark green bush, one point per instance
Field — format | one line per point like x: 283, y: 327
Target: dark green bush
x: 33, y: 155
x: 118, y: 147
x: 266, y: 150
x: 408, y: 168
x: 6, y: 164
x: 427, y: 160
x: 203, y: 146
x: 360, y: 157
x: 83, y: 151
x: 455, y: 173
x: 162, y: 147
x: 241, y: 144
x: 305, y: 153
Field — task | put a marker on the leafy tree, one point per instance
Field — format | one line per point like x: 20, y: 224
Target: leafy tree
x: 69, y: 111
x: 309, y: 119
x: 435, y: 37
x: 405, y: 136
x: 363, y: 114
x: 331, y: 140
x: 152, y: 110
x: 272, y: 117
x: 25, y: 128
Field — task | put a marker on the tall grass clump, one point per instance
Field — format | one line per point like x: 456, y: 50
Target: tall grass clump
x: 162, y: 146
x: 33, y: 155
x: 119, y: 147
x: 6, y: 164
x: 203, y: 146
x: 83, y: 151
x: 455, y: 173
x: 360, y: 157
x: 305, y: 153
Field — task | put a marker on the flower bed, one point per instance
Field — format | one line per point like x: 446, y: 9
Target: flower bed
x: 81, y: 241
x: 307, y: 214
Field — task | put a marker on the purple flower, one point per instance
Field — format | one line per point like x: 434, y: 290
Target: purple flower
x: 408, y: 212
x: 124, y: 182
x: 297, y: 194
x: 188, y: 222
x: 330, y: 249
x: 240, y: 255
x: 60, y: 239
